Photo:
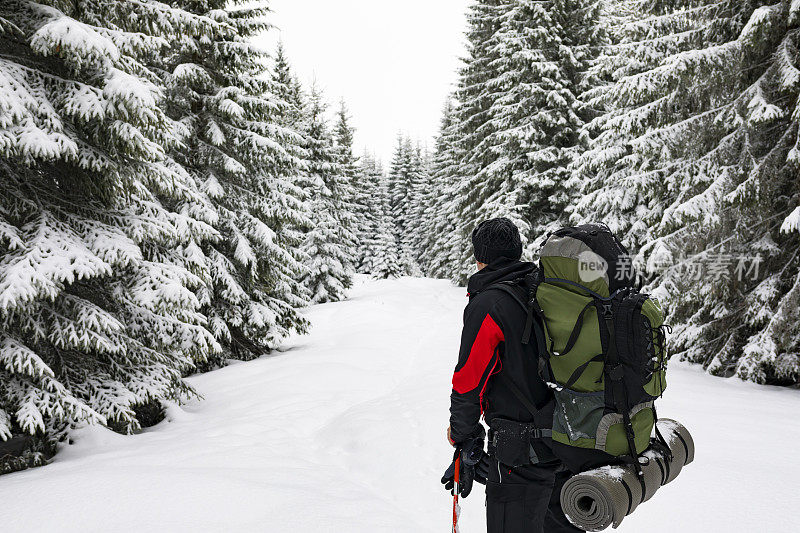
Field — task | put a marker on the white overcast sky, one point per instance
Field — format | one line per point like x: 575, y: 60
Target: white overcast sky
x: 393, y: 62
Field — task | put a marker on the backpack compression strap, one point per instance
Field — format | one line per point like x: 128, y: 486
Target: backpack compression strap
x: 615, y: 375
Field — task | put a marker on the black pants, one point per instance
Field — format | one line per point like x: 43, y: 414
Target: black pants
x: 526, y: 499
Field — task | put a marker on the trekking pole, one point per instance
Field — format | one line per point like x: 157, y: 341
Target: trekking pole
x: 456, y: 508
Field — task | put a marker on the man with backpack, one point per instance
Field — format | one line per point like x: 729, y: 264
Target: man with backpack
x: 498, y: 376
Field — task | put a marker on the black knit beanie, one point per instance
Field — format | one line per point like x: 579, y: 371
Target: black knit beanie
x: 497, y: 237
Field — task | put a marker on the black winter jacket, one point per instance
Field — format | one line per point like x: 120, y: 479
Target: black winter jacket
x: 491, y: 343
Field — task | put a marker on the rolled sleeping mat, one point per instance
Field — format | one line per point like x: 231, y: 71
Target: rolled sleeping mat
x: 602, y: 497
x: 681, y: 448
x: 678, y: 439
x: 653, y: 477
x: 668, y: 469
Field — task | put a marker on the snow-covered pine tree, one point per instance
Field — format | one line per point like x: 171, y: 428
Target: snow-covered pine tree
x: 351, y: 213
x: 364, y: 202
x: 643, y: 35
x: 551, y: 56
x: 292, y: 116
x: 475, y: 97
x: 422, y: 200
x: 383, y: 256
x: 441, y: 244
x: 735, y: 198
x: 369, y: 197
x: 712, y: 142
x: 525, y: 119
x: 520, y: 112
x: 288, y: 89
x: 235, y: 147
x: 367, y: 214
x: 544, y: 52
x: 400, y: 191
x: 419, y: 196
x: 329, y: 243
x: 97, y: 315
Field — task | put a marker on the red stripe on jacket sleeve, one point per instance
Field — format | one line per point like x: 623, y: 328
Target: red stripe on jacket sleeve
x: 480, y: 355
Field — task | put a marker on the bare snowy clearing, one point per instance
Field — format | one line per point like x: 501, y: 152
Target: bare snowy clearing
x: 344, y: 431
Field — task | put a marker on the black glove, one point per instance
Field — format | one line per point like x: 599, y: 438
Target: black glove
x: 474, y: 467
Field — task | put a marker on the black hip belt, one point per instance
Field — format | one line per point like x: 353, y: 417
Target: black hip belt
x: 518, y: 443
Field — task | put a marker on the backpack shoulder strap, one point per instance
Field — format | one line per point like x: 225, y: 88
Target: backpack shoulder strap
x: 533, y: 279
x: 531, y: 308
x: 510, y: 288
x: 514, y: 289
x: 535, y: 325
x: 518, y: 393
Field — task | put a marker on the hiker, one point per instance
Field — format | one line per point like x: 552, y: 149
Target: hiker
x: 497, y: 376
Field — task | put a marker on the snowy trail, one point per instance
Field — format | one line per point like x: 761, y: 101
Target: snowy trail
x: 344, y: 431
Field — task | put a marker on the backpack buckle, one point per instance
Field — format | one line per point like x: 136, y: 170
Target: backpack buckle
x: 608, y: 311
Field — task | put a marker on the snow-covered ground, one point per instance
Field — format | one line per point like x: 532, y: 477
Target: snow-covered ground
x: 345, y: 431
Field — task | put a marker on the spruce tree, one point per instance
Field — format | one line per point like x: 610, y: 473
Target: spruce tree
x: 407, y: 181
x: 288, y: 89
x: 440, y: 243
x: 366, y: 212
x: 368, y: 199
x: 419, y: 196
x: 329, y: 243
x: 384, y: 257
x: 697, y: 158
x: 519, y: 114
x: 234, y: 145
x: 476, y: 96
x: 643, y: 36
x: 531, y: 121
x: 350, y: 213
x: 545, y: 53
x: 400, y: 191
x: 293, y: 117
x: 97, y: 310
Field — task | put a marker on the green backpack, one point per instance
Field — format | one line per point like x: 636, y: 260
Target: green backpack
x: 604, y: 346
